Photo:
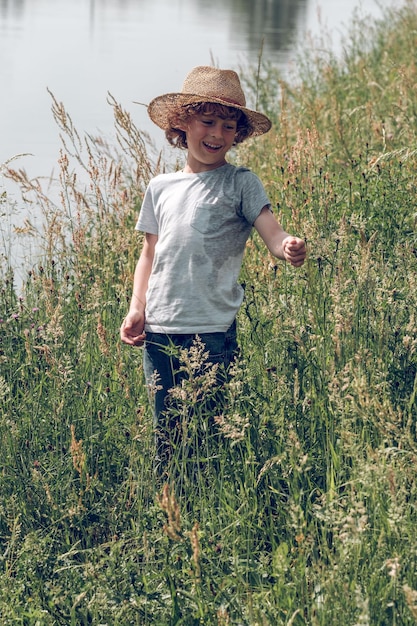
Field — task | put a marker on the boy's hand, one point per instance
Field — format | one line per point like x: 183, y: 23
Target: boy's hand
x: 132, y: 329
x: 294, y: 250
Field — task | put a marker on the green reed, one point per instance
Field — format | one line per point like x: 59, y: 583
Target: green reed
x: 300, y: 506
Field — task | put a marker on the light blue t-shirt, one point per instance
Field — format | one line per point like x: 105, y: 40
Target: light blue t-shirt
x: 203, y: 222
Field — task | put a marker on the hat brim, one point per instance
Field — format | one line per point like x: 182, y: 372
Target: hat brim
x: 160, y: 108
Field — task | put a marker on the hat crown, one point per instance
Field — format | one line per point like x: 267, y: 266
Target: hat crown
x: 211, y: 82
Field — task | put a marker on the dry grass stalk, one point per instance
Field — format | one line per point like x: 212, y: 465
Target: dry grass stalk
x: 169, y: 505
x: 77, y: 452
x: 195, y: 544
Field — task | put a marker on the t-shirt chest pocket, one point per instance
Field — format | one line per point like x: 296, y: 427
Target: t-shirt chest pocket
x: 209, y: 218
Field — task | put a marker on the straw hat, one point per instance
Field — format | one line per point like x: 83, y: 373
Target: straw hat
x: 208, y: 84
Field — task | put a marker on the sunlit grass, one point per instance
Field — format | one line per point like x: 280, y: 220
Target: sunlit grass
x: 302, y: 509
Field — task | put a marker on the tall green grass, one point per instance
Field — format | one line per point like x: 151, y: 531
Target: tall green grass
x: 302, y: 510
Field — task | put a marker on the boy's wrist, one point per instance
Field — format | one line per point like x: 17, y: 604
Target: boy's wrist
x: 137, y: 304
x: 136, y: 310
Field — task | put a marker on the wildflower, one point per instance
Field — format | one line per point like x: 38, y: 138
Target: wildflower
x: 233, y: 427
x: 411, y: 599
x: 393, y: 567
x: 153, y: 387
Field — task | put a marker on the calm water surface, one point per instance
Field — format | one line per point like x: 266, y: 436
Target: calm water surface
x: 135, y: 49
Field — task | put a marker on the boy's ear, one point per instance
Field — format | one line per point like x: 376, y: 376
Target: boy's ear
x: 180, y: 124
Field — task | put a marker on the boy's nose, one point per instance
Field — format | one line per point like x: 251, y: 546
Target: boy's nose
x: 217, y: 130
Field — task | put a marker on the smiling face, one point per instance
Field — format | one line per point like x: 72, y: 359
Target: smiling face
x: 209, y: 138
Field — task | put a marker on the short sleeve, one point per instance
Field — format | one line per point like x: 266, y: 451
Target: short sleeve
x: 253, y: 197
x: 147, y: 221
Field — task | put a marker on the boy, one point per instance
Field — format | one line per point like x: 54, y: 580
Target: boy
x: 196, y: 224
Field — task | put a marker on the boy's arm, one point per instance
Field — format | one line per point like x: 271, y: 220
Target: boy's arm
x: 132, y: 329
x: 279, y: 243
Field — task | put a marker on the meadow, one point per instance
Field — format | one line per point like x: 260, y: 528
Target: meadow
x: 302, y: 510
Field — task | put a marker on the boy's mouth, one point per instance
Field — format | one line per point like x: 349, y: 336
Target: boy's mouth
x: 212, y: 147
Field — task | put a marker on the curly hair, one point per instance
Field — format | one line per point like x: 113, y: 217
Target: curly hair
x: 181, y: 115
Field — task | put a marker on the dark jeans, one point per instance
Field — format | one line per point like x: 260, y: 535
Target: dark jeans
x: 164, y: 370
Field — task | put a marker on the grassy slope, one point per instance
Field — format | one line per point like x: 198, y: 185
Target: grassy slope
x: 306, y: 509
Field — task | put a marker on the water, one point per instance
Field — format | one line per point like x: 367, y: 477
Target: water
x: 134, y: 49
x: 81, y: 50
